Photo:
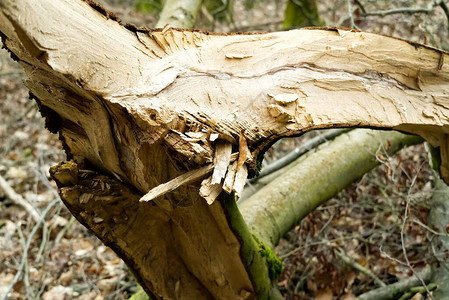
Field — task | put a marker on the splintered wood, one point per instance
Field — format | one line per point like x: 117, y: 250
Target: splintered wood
x: 172, y: 185
x: 228, y: 174
x: 235, y: 172
x: 222, y: 158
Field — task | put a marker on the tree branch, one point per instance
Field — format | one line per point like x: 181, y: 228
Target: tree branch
x: 402, y: 10
x: 392, y: 291
x: 282, y: 203
x: 18, y: 200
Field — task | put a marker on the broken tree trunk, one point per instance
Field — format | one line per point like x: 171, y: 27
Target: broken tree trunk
x: 136, y: 108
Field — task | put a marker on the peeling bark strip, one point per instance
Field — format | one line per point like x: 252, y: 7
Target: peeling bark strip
x: 140, y: 108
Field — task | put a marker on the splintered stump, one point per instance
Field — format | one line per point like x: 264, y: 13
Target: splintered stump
x: 178, y: 119
x: 176, y: 250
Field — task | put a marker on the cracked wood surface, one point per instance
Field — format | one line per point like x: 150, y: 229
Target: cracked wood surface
x: 181, y: 81
x: 141, y: 107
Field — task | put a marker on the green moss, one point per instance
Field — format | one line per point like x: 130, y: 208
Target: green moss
x: 148, y: 6
x: 301, y: 13
x: 139, y: 295
x: 434, y: 157
x: 274, y: 264
x: 258, y: 167
x: 250, y: 254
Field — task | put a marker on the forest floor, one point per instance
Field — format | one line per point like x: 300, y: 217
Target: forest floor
x: 63, y: 260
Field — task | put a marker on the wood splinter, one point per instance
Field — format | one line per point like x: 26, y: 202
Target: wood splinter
x: 181, y: 180
x: 224, y: 167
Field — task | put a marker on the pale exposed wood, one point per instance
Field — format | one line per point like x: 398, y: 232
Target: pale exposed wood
x: 184, y: 179
x: 338, y: 77
x: 147, y: 106
x: 209, y: 190
x: 228, y: 183
x: 172, y: 185
x: 222, y: 158
x: 240, y: 179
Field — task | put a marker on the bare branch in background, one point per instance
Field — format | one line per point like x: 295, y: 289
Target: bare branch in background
x: 404, y: 10
x: 18, y: 200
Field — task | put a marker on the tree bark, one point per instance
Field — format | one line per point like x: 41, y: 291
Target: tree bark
x: 179, y: 13
x: 439, y: 220
x: 274, y: 209
x: 136, y: 108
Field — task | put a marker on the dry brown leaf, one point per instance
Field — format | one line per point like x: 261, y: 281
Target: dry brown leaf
x: 243, y: 149
x: 326, y: 294
x: 66, y: 277
x: 58, y: 293
x: 311, y: 286
x: 108, y: 285
x: 83, y: 247
x: 348, y: 296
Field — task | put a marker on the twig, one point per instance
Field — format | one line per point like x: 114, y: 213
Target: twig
x: 390, y: 291
x: 25, y: 277
x: 359, y: 4
x: 404, y: 250
x: 63, y: 231
x: 355, y: 265
x: 351, y: 16
x: 46, y: 232
x: 418, y: 290
x: 430, y: 229
x: 299, y: 151
x: 324, y: 242
x: 382, y: 252
x: 11, y: 72
x: 18, y: 200
x: 402, y: 10
x: 30, y: 106
x: 260, y: 25
x: 27, y: 246
x: 181, y: 180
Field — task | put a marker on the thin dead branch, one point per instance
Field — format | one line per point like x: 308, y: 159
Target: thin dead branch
x: 404, y: 222
x: 298, y: 152
x: 356, y: 266
x: 18, y: 200
x: 390, y: 291
x: 403, y: 10
x: 24, y: 259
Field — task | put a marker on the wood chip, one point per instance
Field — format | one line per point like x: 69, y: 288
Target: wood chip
x: 173, y: 184
x: 243, y: 150
x: 186, y: 178
x: 210, y: 191
x: 237, y: 55
x: 213, y: 137
x: 223, y: 151
x: 240, y: 180
x: 284, y: 98
x: 228, y: 183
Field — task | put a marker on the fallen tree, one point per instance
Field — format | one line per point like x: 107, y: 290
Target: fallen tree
x: 137, y: 108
